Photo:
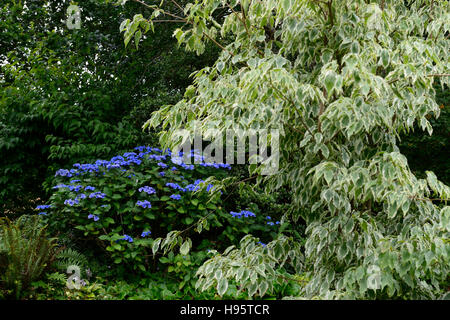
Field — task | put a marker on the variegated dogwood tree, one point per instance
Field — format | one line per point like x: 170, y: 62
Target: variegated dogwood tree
x: 340, y: 80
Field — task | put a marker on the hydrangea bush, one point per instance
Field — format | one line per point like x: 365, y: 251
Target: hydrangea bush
x: 141, y: 201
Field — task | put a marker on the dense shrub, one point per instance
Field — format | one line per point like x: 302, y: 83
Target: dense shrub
x: 124, y: 204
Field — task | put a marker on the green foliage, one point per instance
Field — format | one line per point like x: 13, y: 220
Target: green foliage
x: 25, y: 252
x: 51, y: 286
x: 255, y: 268
x: 74, y: 95
x: 341, y: 82
x: 355, y: 88
x: 269, y: 209
x: 181, y: 268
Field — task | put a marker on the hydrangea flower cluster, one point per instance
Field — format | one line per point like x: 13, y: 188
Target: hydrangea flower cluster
x: 118, y: 162
x: 271, y: 223
x: 127, y: 238
x: 147, y: 189
x: 198, y: 159
x: 71, y: 202
x: 144, y: 204
x: 76, y: 188
x: 175, y: 196
x: 145, y: 233
x: 175, y: 186
x: 43, y: 206
x: 190, y: 187
x: 242, y: 213
x: 130, y: 159
x: 91, y: 216
x: 98, y: 195
x: 123, y: 163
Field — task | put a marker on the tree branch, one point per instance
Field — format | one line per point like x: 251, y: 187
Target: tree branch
x: 181, y: 19
x: 293, y: 104
x: 330, y: 12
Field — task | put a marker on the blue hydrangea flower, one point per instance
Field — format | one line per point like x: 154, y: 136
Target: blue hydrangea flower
x: 155, y: 157
x: 140, y: 148
x: 175, y: 186
x: 98, y: 195
x: 145, y: 233
x: 176, y: 196
x: 235, y: 214
x: 135, y: 161
x: 188, y: 166
x: 91, y: 216
x: 144, y: 204
x: 263, y: 244
x: 127, y: 238
x: 63, y: 173
x: 75, y: 188
x: 71, y: 202
x: 59, y: 186
x: 162, y: 174
x: 243, y: 213
x: 44, y: 206
x: 162, y: 165
x: 147, y: 189
x: 113, y: 166
x: 129, y: 154
x: 42, y: 213
x: 177, y: 160
x: 116, y: 158
x: 247, y: 213
x: 81, y: 196
x: 192, y: 187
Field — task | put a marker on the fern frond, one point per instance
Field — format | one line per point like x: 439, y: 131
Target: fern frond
x: 68, y: 257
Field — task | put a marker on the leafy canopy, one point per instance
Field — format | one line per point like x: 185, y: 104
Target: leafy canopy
x: 340, y: 80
